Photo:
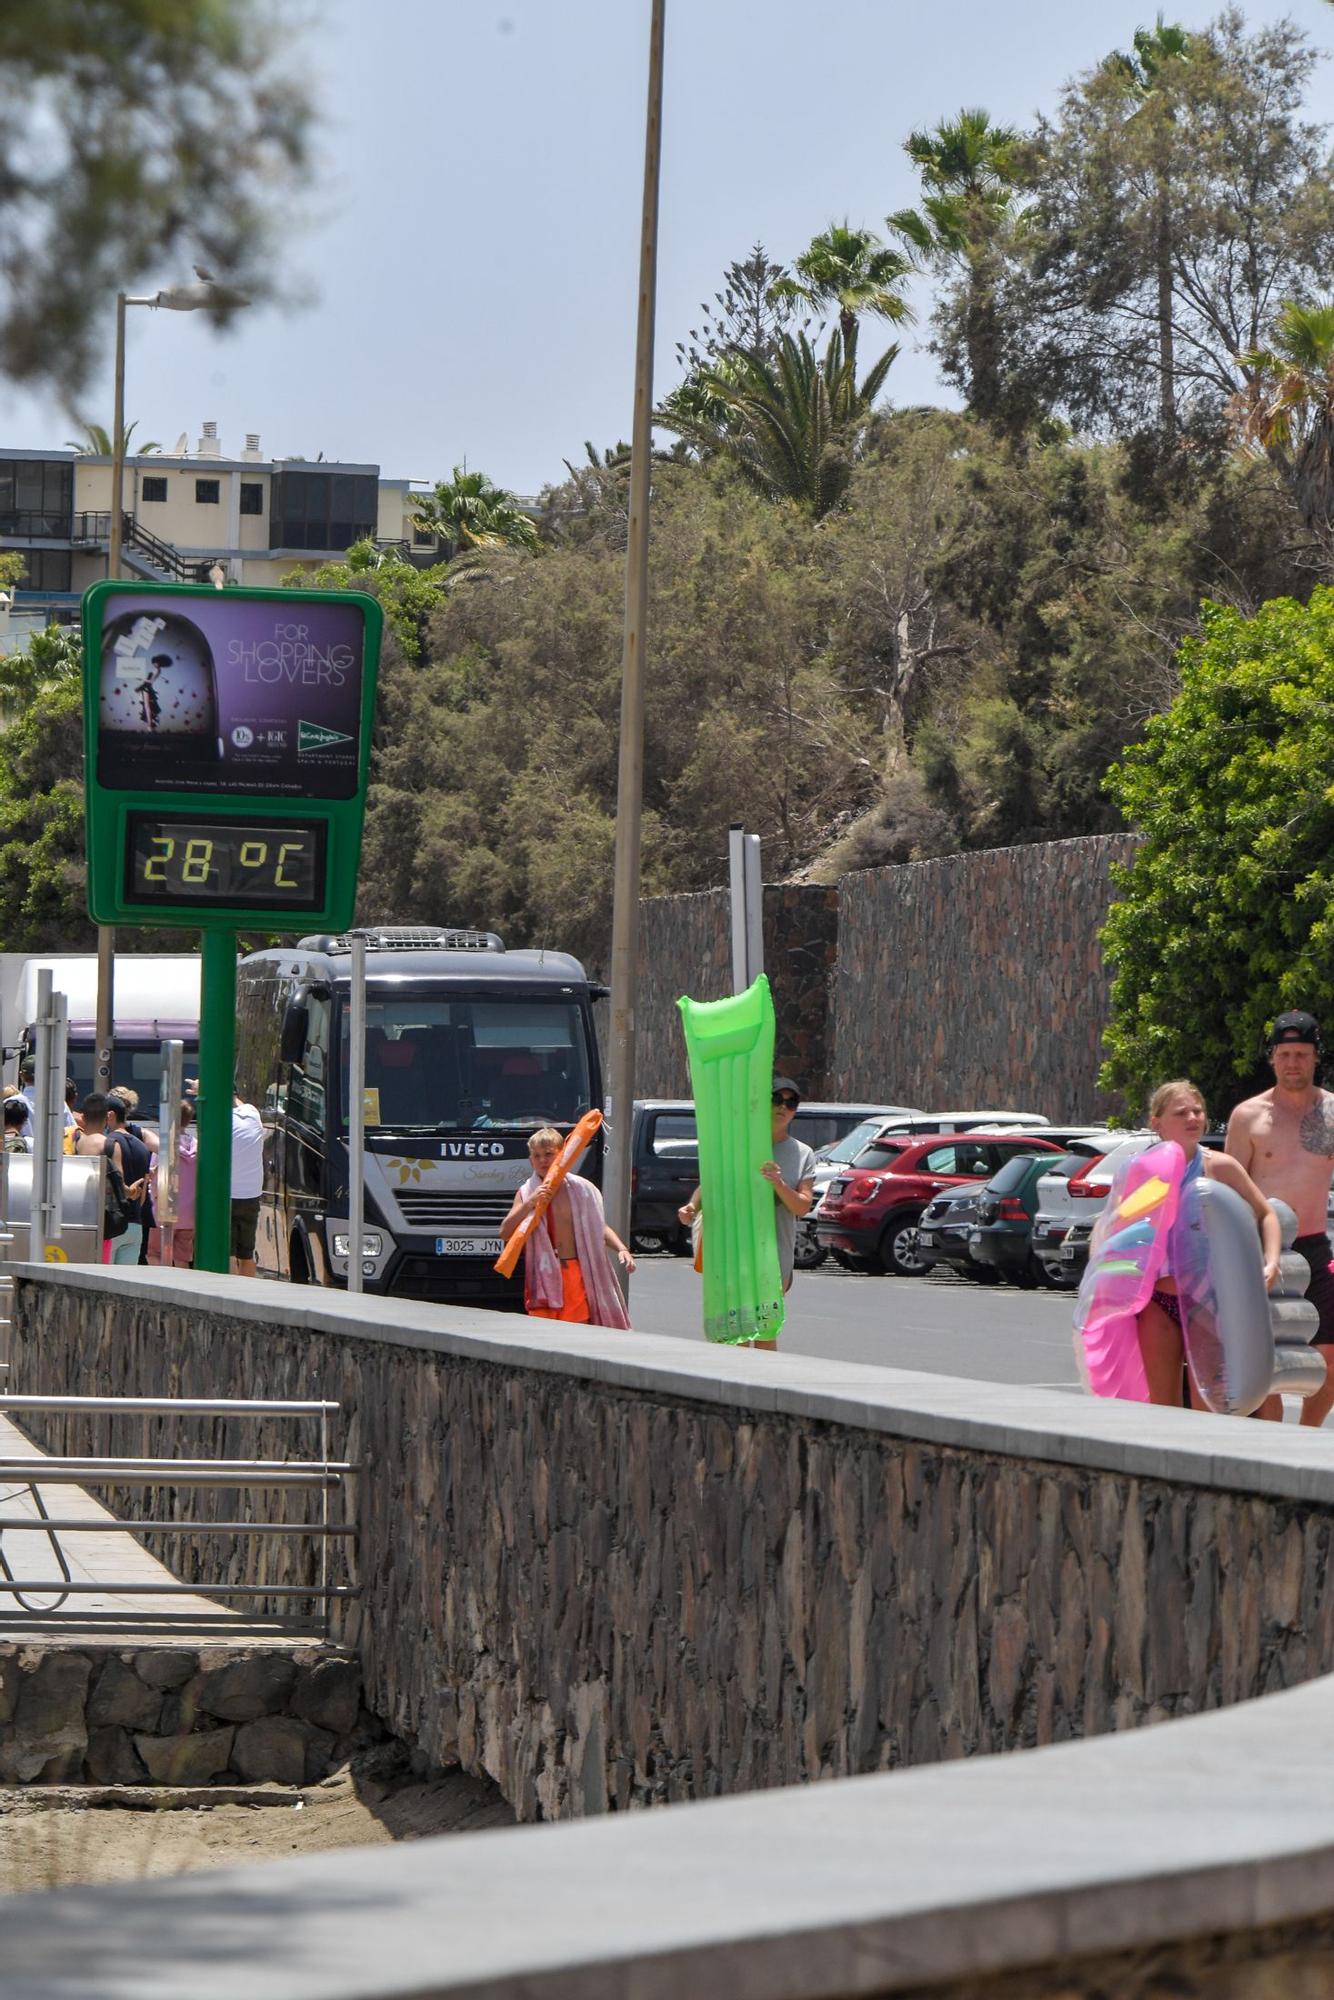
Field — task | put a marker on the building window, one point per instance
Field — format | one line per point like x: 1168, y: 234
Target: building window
x: 322, y: 510
x: 154, y: 488
x: 36, y: 498
x: 208, y: 492
x: 423, y: 538
x: 44, y: 569
x: 252, y: 497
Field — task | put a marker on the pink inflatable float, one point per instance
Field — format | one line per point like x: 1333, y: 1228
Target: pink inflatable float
x: 1127, y: 1253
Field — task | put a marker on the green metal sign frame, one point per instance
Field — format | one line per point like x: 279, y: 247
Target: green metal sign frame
x: 214, y: 799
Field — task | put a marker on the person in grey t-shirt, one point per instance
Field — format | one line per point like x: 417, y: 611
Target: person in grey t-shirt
x: 790, y: 1173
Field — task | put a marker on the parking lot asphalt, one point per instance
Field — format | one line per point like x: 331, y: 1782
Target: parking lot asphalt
x: 940, y: 1323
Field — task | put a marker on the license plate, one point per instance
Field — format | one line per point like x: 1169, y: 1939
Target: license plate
x: 467, y: 1246
x: 1067, y: 1253
x: 926, y: 1238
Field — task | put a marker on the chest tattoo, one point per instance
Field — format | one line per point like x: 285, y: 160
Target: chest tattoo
x: 1317, y: 1129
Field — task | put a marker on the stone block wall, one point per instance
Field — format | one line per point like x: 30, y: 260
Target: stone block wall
x: 686, y: 947
x: 972, y: 980
x: 174, y: 1715
x: 978, y: 980
x: 601, y: 1595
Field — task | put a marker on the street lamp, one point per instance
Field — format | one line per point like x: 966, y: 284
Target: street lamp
x: 630, y: 768
x: 176, y: 298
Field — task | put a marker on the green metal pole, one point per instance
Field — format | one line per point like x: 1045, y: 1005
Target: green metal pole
x: 217, y: 1073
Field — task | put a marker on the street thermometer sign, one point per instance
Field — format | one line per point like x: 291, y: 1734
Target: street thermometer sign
x: 228, y: 735
x: 227, y: 740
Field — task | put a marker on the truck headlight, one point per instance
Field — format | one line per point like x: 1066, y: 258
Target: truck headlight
x: 372, y: 1243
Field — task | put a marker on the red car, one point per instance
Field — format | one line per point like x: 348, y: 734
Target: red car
x: 869, y: 1215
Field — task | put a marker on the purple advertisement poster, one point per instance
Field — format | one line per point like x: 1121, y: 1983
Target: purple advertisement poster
x: 225, y: 693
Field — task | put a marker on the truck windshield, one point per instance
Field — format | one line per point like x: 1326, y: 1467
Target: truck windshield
x: 469, y: 1065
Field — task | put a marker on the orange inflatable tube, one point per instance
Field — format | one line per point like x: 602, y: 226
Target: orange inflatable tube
x: 581, y: 1137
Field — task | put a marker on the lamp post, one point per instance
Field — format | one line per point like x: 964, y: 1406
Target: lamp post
x: 176, y: 298
x: 630, y: 776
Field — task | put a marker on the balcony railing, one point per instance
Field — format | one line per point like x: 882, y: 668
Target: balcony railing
x: 36, y: 524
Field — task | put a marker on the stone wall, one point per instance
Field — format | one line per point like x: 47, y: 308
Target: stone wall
x: 598, y: 1579
x: 977, y: 980
x: 686, y: 947
x: 973, y: 980
x: 173, y: 1715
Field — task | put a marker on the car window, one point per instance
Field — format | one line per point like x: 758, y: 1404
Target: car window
x: 1012, y: 1175
x: 673, y: 1136
x: 817, y: 1128
x: 849, y: 1146
x: 881, y: 1153
x: 960, y: 1158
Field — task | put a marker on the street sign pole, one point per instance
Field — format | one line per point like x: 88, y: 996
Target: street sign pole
x: 356, y: 1117
x: 167, y: 1195
x: 48, y: 1120
x: 217, y: 1084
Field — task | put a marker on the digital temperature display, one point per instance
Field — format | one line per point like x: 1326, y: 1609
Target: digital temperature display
x: 225, y: 864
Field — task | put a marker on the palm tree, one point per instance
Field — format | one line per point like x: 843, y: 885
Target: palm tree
x: 970, y: 211
x: 852, y: 271
x: 1147, y: 76
x: 470, y: 512
x: 96, y: 442
x: 793, y: 427
x: 1287, y: 408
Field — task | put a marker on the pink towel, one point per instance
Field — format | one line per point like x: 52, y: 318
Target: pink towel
x: 542, y: 1265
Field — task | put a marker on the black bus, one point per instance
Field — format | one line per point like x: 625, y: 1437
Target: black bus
x: 469, y: 1049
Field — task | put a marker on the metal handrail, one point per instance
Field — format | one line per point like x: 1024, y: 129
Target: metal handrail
x: 69, y: 1587
x: 166, y: 1472
x: 321, y: 1474
x: 191, y: 1407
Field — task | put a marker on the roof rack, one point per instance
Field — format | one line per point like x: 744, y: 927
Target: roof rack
x: 406, y: 937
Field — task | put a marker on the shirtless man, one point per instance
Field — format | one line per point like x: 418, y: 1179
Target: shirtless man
x: 1285, y: 1140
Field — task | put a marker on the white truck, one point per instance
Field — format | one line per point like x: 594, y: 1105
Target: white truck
x: 156, y: 999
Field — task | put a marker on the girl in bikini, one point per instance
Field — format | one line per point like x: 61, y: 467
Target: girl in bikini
x: 1176, y: 1111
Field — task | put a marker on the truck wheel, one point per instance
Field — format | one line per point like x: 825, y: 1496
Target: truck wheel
x: 847, y: 1261
x: 299, y: 1263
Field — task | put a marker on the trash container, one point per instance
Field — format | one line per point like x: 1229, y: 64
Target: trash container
x: 81, y: 1220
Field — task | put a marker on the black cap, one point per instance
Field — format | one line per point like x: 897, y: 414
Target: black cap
x: 1295, y: 1027
x: 786, y: 1083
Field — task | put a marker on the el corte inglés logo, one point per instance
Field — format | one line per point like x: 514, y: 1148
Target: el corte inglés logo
x: 314, y: 736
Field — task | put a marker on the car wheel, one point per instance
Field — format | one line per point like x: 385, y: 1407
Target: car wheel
x: 680, y: 1245
x: 1028, y: 1276
x: 644, y: 1243
x: 898, y: 1246
x: 850, y: 1262
x: 1057, y: 1277
x: 983, y: 1274
x: 809, y: 1255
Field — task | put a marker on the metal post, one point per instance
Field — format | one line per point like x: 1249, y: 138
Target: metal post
x: 169, y: 1148
x: 630, y: 777
x: 356, y: 1116
x: 754, y: 882
x: 117, y: 444
x: 105, y: 1055
x: 48, y: 1121
x: 217, y: 1080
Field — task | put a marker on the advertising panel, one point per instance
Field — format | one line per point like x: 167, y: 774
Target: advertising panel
x: 234, y: 695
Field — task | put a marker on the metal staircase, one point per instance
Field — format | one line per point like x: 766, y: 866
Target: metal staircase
x: 143, y: 552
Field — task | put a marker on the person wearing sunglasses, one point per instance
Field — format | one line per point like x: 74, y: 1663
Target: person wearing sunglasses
x: 790, y: 1173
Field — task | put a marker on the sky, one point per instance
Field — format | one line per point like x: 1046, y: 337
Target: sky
x: 464, y: 268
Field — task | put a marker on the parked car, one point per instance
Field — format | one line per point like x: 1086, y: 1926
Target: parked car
x: 1001, y: 1237
x: 943, y: 1232
x: 811, y: 1253
x: 1093, y: 1189
x: 1063, y: 1189
x: 919, y: 1124
x: 665, y: 1160
x: 870, y: 1214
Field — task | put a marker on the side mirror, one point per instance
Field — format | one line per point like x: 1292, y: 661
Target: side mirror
x: 296, y: 1020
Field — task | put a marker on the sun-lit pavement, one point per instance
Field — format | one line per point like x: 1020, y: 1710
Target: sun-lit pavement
x: 941, y: 1323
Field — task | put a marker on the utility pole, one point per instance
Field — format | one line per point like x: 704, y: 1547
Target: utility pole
x: 630, y: 779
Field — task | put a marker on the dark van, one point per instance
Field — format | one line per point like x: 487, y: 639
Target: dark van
x: 665, y: 1160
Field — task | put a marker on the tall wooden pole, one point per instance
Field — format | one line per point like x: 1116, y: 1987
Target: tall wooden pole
x: 104, y: 1060
x: 630, y: 781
